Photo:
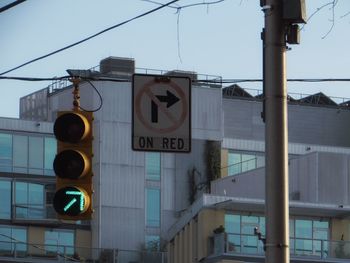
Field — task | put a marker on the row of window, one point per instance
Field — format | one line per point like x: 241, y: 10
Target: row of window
x: 16, y: 239
x: 24, y: 200
x: 27, y: 154
x: 28, y: 200
x: 307, y: 235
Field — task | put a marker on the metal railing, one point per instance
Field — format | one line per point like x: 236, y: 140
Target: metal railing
x: 299, y: 247
x: 19, y: 251
x: 203, y: 80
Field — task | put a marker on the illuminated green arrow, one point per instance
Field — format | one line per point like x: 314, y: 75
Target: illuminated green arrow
x: 78, y: 193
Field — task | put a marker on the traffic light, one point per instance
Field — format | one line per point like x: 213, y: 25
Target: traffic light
x: 73, y: 165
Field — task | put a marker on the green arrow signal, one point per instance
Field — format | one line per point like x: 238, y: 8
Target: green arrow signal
x: 69, y: 204
x: 78, y: 193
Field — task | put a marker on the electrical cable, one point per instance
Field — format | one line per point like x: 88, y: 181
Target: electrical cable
x: 90, y: 37
x: 99, y: 95
x: 33, y: 79
x: 220, y: 81
x: 13, y: 4
x: 38, y: 247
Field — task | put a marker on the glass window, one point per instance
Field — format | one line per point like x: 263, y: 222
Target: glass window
x: 60, y: 241
x: 5, y: 152
x: 27, y: 154
x: 234, y: 163
x: 49, y: 155
x: 307, y: 236
x: 5, y: 240
x: 243, y: 162
x: 249, y: 223
x: 152, y: 243
x: 303, y: 246
x: 20, y: 153
x: 29, y: 200
x: 233, y: 224
x: 5, y: 199
x: 303, y: 228
x: 13, y: 238
x: 21, y: 200
x: 152, y: 207
x: 303, y: 237
x: 262, y: 225
x: 249, y: 244
x: 291, y: 227
x: 36, y: 155
x: 234, y: 243
x: 248, y: 162
x: 153, y: 166
x: 20, y: 236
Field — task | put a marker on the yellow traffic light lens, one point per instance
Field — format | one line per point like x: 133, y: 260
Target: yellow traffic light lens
x: 71, y: 164
x: 71, y: 127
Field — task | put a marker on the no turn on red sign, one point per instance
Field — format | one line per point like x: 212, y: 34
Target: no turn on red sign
x: 161, y: 113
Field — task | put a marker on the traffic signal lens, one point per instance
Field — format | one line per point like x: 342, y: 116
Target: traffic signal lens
x: 71, y: 201
x: 71, y: 127
x: 71, y: 164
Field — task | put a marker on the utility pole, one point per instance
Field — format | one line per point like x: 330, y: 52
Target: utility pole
x: 276, y: 135
x: 281, y: 19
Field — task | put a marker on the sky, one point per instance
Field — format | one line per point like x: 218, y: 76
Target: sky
x: 221, y: 39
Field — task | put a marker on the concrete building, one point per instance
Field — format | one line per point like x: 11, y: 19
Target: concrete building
x: 200, y: 207
x: 137, y: 196
x: 219, y: 227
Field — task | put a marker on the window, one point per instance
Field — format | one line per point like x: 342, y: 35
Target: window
x: 152, y: 207
x: 36, y: 155
x: 310, y: 236
x: 5, y: 199
x: 59, y: 241
x: 152, y: 243
x: 307, y: 236
x: 5, y: 152
x: 303, y: 236
x: 49, y: 155
x: 240, y: 229
x: 27, y: 154
x: 12, y: 239
x: 29, y: 200
x: 20, y: 153
x: 243, y: 162
x: 233, y: 228
x: 153, y: 166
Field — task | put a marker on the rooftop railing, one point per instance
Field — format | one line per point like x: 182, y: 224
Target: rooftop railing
x: 206, y: 80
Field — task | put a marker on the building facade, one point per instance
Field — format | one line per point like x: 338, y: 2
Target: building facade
x: 223, y: 226
x: 137, y: 195
x: 199, y: 207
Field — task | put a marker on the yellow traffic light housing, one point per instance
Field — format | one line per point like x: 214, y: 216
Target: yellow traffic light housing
x: 73, y: 165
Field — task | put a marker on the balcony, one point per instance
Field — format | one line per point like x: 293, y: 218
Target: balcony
x: 248, y: 247
x: 23, y: 252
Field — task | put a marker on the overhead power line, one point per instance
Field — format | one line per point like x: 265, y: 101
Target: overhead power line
x: 13, y: 4
x: 90, y: 37
x: 216, y: 81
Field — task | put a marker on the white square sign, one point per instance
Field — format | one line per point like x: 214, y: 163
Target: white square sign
x: 161, y: 113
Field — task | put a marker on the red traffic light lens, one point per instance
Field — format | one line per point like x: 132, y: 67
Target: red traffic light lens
x: 71, y: 127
